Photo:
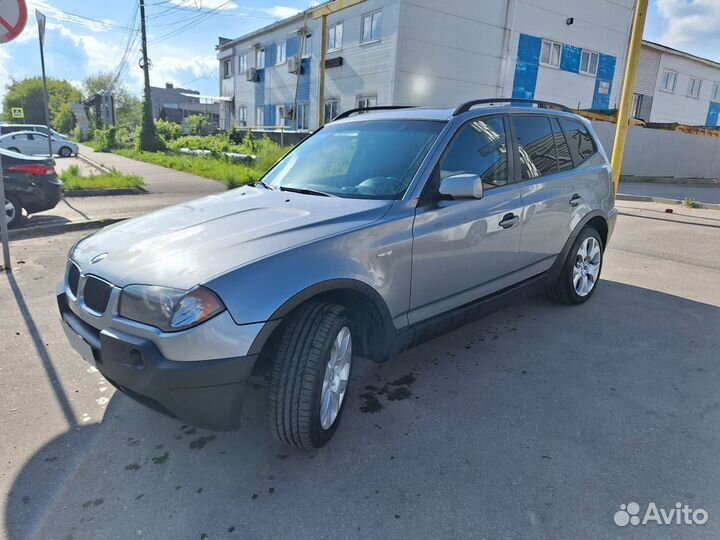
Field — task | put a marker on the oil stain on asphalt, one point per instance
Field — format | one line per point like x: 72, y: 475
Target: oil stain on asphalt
x: 397, y: 390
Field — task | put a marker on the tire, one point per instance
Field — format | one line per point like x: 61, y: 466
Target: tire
x: 306, y: 346
x: 13, y: 206
x: 13, y: 149
x: 65, y: 152
x: 568, y: 289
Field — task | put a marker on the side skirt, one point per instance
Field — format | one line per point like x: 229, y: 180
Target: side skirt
x: 458, y: 317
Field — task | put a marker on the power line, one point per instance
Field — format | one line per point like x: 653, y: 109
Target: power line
x: 204, y: 16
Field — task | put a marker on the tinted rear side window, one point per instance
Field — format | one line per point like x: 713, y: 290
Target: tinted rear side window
x: 536, y: 146
x: 565, y: 162
x: 579, y: 139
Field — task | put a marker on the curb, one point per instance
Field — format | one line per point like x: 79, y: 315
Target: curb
x: 60, y: 228
x: 694, y: 182
x: 103, y: 192
x: 93, y: 163
x: 663, y: 200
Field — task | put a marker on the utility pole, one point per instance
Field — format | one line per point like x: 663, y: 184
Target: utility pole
x: 626, y: 98
x: 148, y: 140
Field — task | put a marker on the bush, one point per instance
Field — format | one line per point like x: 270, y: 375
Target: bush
x: 105, y: 139
x: 169, y: 131
x: 196, y: 124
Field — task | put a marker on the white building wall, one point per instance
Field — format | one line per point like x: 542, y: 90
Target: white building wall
x: 448, y: 52
x: 368, y: 68
x: 678, y: 106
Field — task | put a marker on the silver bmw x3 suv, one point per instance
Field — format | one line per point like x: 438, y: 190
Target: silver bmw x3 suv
x: 375, y: 233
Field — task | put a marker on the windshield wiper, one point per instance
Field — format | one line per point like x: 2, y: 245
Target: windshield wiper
x: 263, y: 184
x: 306, y: 191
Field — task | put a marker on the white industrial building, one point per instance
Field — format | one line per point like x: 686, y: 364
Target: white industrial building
x: 423, y: 52
x: 675, y: 86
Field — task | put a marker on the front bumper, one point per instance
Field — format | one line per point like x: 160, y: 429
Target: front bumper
x: 205, y: 393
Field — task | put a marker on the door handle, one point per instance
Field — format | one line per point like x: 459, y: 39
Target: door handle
x: 509, y: 220
x: 575, y: 199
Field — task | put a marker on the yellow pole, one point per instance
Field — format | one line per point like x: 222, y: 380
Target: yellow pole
x: 626, y: 98
x: 321, y: 81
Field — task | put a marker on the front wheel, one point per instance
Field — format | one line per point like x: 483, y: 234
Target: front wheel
x: 13, y: 149
x: 310, y: 375
x: 581, y: 270
x: 65, y: 152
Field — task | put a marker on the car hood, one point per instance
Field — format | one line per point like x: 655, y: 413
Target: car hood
x: 188, y: 244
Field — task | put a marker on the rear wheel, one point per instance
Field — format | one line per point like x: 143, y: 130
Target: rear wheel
x: 65, y: 151
x: 13, y: 210
x: 581, y: 270
x: 310, y: 375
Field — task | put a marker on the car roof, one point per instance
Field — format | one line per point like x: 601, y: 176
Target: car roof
x: 25, y: 132
x: 446, y: 114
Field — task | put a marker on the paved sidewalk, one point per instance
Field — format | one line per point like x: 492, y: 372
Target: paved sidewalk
x: 702, y: 193
x: 166, y: 187
x: 157, y: 179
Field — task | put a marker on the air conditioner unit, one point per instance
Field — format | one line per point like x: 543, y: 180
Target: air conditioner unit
x: 251, y: 75
x: 293, y: 64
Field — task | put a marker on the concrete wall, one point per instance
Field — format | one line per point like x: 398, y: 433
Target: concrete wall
x: 657, y: 152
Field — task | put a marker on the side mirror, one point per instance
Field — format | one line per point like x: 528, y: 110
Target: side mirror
x: 462, y: 186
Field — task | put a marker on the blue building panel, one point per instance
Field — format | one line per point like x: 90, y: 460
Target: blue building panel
x: 526, y: 67
x: 293, y: 46
x: 304, y: 85
x: 270, y: 115
x: 270, y: 54
x: 603, y: 82
x: 713, y: 115
x: 570, y: 59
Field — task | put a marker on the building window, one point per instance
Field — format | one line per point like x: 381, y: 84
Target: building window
x: 589, y: 62
x: 715, y: 96
x: 259, y: 116
x: 366, y: 102
x: 694, y: 87
x: 371, y: 27
x: 332, y: 109
x: 242, y: 115
x: 669, y: 78
x: 307, y: 49
x: 281, y: 53
x: 259, y: 58
x: 637, y: 105
x: 227, y: 68
x: 280, y: 115
x: 303, y: 115
x: 334, y: 37
x: 550, y: 53
x: 242, y: 63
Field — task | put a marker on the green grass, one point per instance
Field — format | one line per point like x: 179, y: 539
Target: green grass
x: 74, y: 180
x: 232, y: 174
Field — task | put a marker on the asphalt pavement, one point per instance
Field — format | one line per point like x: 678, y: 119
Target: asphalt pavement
x: 536, y: 422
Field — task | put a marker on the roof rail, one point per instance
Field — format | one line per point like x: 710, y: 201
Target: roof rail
x: 368, y: 109
x: 465, y: 107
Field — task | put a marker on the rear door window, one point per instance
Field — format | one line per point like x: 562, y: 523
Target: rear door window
x: 536, y: 146
x: 580, y: 141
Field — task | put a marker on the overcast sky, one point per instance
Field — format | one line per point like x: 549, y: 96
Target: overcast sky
x: 85, y: 36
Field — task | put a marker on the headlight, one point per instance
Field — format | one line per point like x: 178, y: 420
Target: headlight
x: 168, y: 309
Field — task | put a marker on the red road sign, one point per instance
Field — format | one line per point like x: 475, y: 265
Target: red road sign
x: 13, y: 16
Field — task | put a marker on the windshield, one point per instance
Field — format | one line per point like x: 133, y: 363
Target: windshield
x: 374, y: 159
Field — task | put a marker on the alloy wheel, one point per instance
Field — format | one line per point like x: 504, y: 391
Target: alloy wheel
x: 336, y: 378
x: 587, y: 266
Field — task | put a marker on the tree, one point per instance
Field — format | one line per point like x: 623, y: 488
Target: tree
x: 64, y: 121
x: 127, y: 107
x: 28, y: 94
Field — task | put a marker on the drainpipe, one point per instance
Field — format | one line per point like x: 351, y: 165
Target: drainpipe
x: 505, y: 50
x: 321, y: 80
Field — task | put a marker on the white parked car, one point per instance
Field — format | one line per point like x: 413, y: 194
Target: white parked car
x: 33, y: 142
x: 6, y: 128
